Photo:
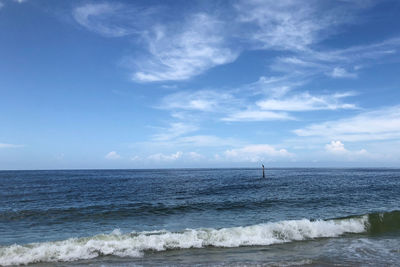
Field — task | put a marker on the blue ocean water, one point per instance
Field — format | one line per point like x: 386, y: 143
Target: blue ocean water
x: 200, y: 217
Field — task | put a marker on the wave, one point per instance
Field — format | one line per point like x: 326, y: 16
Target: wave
x: 136, y: 243
x: 379, y: 223
x: 141, y: 209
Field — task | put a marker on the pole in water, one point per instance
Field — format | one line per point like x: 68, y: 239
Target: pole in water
x: 263, y: 170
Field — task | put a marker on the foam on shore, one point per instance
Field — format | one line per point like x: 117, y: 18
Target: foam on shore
x: 136, y: 243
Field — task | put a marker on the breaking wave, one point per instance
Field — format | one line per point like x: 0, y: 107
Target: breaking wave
x: 136, y: 243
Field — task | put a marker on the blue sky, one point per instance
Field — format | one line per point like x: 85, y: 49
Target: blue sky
x: 157, y: 84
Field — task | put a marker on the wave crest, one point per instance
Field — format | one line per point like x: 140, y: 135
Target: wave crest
x: 134, y: 244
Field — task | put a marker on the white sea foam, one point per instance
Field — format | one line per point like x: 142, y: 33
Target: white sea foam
x: 135, y: 244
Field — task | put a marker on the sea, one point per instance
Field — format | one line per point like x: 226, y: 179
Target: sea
x: 200, y: 217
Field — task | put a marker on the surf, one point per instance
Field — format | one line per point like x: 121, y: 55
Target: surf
x: 135, y: 244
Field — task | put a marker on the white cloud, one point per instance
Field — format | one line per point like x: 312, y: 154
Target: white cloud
x: 169, y: 86
x: 238, y: 104
x: 203, y: 100
x: 179, y: 54
x: 98, y: 18
x: 257, y: 115
x: 342, y: 73
x: 189, y: 45
x: 306, y: 102
x: 357, y: 53
x: 187, y: 143
x: 1, y: 5
x: 254, y: 153
x: 382, y: 124
x: 176, y: 129
x: 335, y: 147
x: 113, y: 155
x: 300, y: 66
x: 3, y: 145
x: 163, y: 157
x: 176, y: 50
x: 277, y: 86
x: 308, y: 63
x: 179, y: 155
x: 287, y: 25
x: 113, y: 19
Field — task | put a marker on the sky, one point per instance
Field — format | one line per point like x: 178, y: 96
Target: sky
x: 195, y: 84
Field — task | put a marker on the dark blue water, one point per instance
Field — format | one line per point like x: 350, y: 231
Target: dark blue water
x: 230, y: 211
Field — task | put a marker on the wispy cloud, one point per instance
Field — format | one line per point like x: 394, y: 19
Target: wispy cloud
x: 342, y: 73
x: 382, y: 124
x: 112, y: 19
x: 275, y: 86
x: 257, y: 115
x: 173, y: 50
x: 202, y: 100
x: 288, y: 25
x: 96, y: 17
x: 255, y: 153
x: 181, y: 48
x: 179, y: 54
x: 174, y: 130
x: 113, y: 155
x: 188, y: 143
x: 242, y: 104
x: 339, y: 63
x: 306, y: 102
x: 4, y: 145
x: 179, y: 155
x: 370, y: 51
x: 280, y: 25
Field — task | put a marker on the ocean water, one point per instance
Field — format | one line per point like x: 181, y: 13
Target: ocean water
x: 200, y: 217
